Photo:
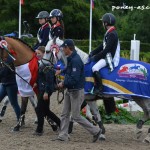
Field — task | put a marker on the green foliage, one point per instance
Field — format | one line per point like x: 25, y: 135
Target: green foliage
x: 121, y: 117
x: 77, y: 17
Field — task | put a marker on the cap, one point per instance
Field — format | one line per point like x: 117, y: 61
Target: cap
x: 68, y: 42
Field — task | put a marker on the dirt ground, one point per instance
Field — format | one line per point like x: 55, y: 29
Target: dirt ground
x: 118, y: 137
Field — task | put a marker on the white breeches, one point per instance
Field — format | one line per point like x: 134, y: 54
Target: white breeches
x: 99, y: 65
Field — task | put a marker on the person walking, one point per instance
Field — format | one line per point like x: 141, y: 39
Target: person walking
x: 45, y: 84
x: 74, y: 96
x: 8, y: 85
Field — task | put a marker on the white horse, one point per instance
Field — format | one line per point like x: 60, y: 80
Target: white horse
x: 90, y: 99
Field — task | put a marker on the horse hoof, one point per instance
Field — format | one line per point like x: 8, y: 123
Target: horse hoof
x: 147, y: 139
x: 102, y: 137
x: 138, y: 134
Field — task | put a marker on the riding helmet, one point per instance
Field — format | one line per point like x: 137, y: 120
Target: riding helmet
x: 42, y: 15
x: 56, y: 13
x: 109, y: 18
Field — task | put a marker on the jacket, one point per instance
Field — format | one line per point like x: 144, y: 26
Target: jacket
x: 111, y: 42
x: 42, y: 35
x: 74, y: 73
x: 56, y: 31
x: 46, y: 80
x: 7, y: 76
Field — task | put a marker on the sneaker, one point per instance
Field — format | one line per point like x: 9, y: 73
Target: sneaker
x: 96, y: 137
x: 16, y: 128
x: 53, y: 124
x: 60, y: 139
x: 102, y: 137
x: 3, y: 110
x: 1, y: 119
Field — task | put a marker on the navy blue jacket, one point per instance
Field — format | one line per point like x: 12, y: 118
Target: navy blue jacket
x: 111, y: 39
x: 46, y: 80
x: 56, y: 31
x: 7, y: 76
x: 74, y: 73
x: 43, y: 34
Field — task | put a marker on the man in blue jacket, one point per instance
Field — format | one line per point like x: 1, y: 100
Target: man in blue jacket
x: 74, y: 96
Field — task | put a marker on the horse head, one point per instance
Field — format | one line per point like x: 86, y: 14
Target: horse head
x: 53, y: 53
x: 16, y: 49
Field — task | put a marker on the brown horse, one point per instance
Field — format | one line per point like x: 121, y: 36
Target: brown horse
x: 22, y: 54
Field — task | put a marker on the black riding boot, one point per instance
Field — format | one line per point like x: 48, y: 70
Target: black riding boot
x: 98, y: 88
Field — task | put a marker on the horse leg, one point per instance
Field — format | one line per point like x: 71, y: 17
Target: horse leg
x: 95, y: 111
x: 145, y: 105
x: 24, y: 103
x: 109, y: 104
x: 147, y: 138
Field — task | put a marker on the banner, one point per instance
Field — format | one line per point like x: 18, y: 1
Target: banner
x: 22, y: 2
x: 92, y: 4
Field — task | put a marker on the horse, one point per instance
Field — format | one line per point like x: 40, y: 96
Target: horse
x: 18, y: 50
x: 24, y: 57
x: 127, y: 84
x: 114, y: 89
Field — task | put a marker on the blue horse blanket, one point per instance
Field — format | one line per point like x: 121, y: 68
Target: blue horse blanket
x: 130, y: 78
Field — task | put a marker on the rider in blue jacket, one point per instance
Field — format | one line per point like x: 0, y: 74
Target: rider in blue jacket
x: 57, y: 25
x: 43, y: 32
x: 107, y: 53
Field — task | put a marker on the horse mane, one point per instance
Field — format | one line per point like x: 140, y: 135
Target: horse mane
x: 20, y: 40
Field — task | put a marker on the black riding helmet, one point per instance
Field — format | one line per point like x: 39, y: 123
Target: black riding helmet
x: 109, y: 18
x: 56, y: 13
x: 42, y: 15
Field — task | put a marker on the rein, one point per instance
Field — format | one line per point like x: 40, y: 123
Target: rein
x: 5, y: 64
x: 59, y: 91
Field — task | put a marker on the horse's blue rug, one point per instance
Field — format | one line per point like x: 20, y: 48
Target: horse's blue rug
x: 130, y: 78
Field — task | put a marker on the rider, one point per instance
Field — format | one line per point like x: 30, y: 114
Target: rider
x: 43, y: 32
x: 108, y: 53
x: 57, y: 25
